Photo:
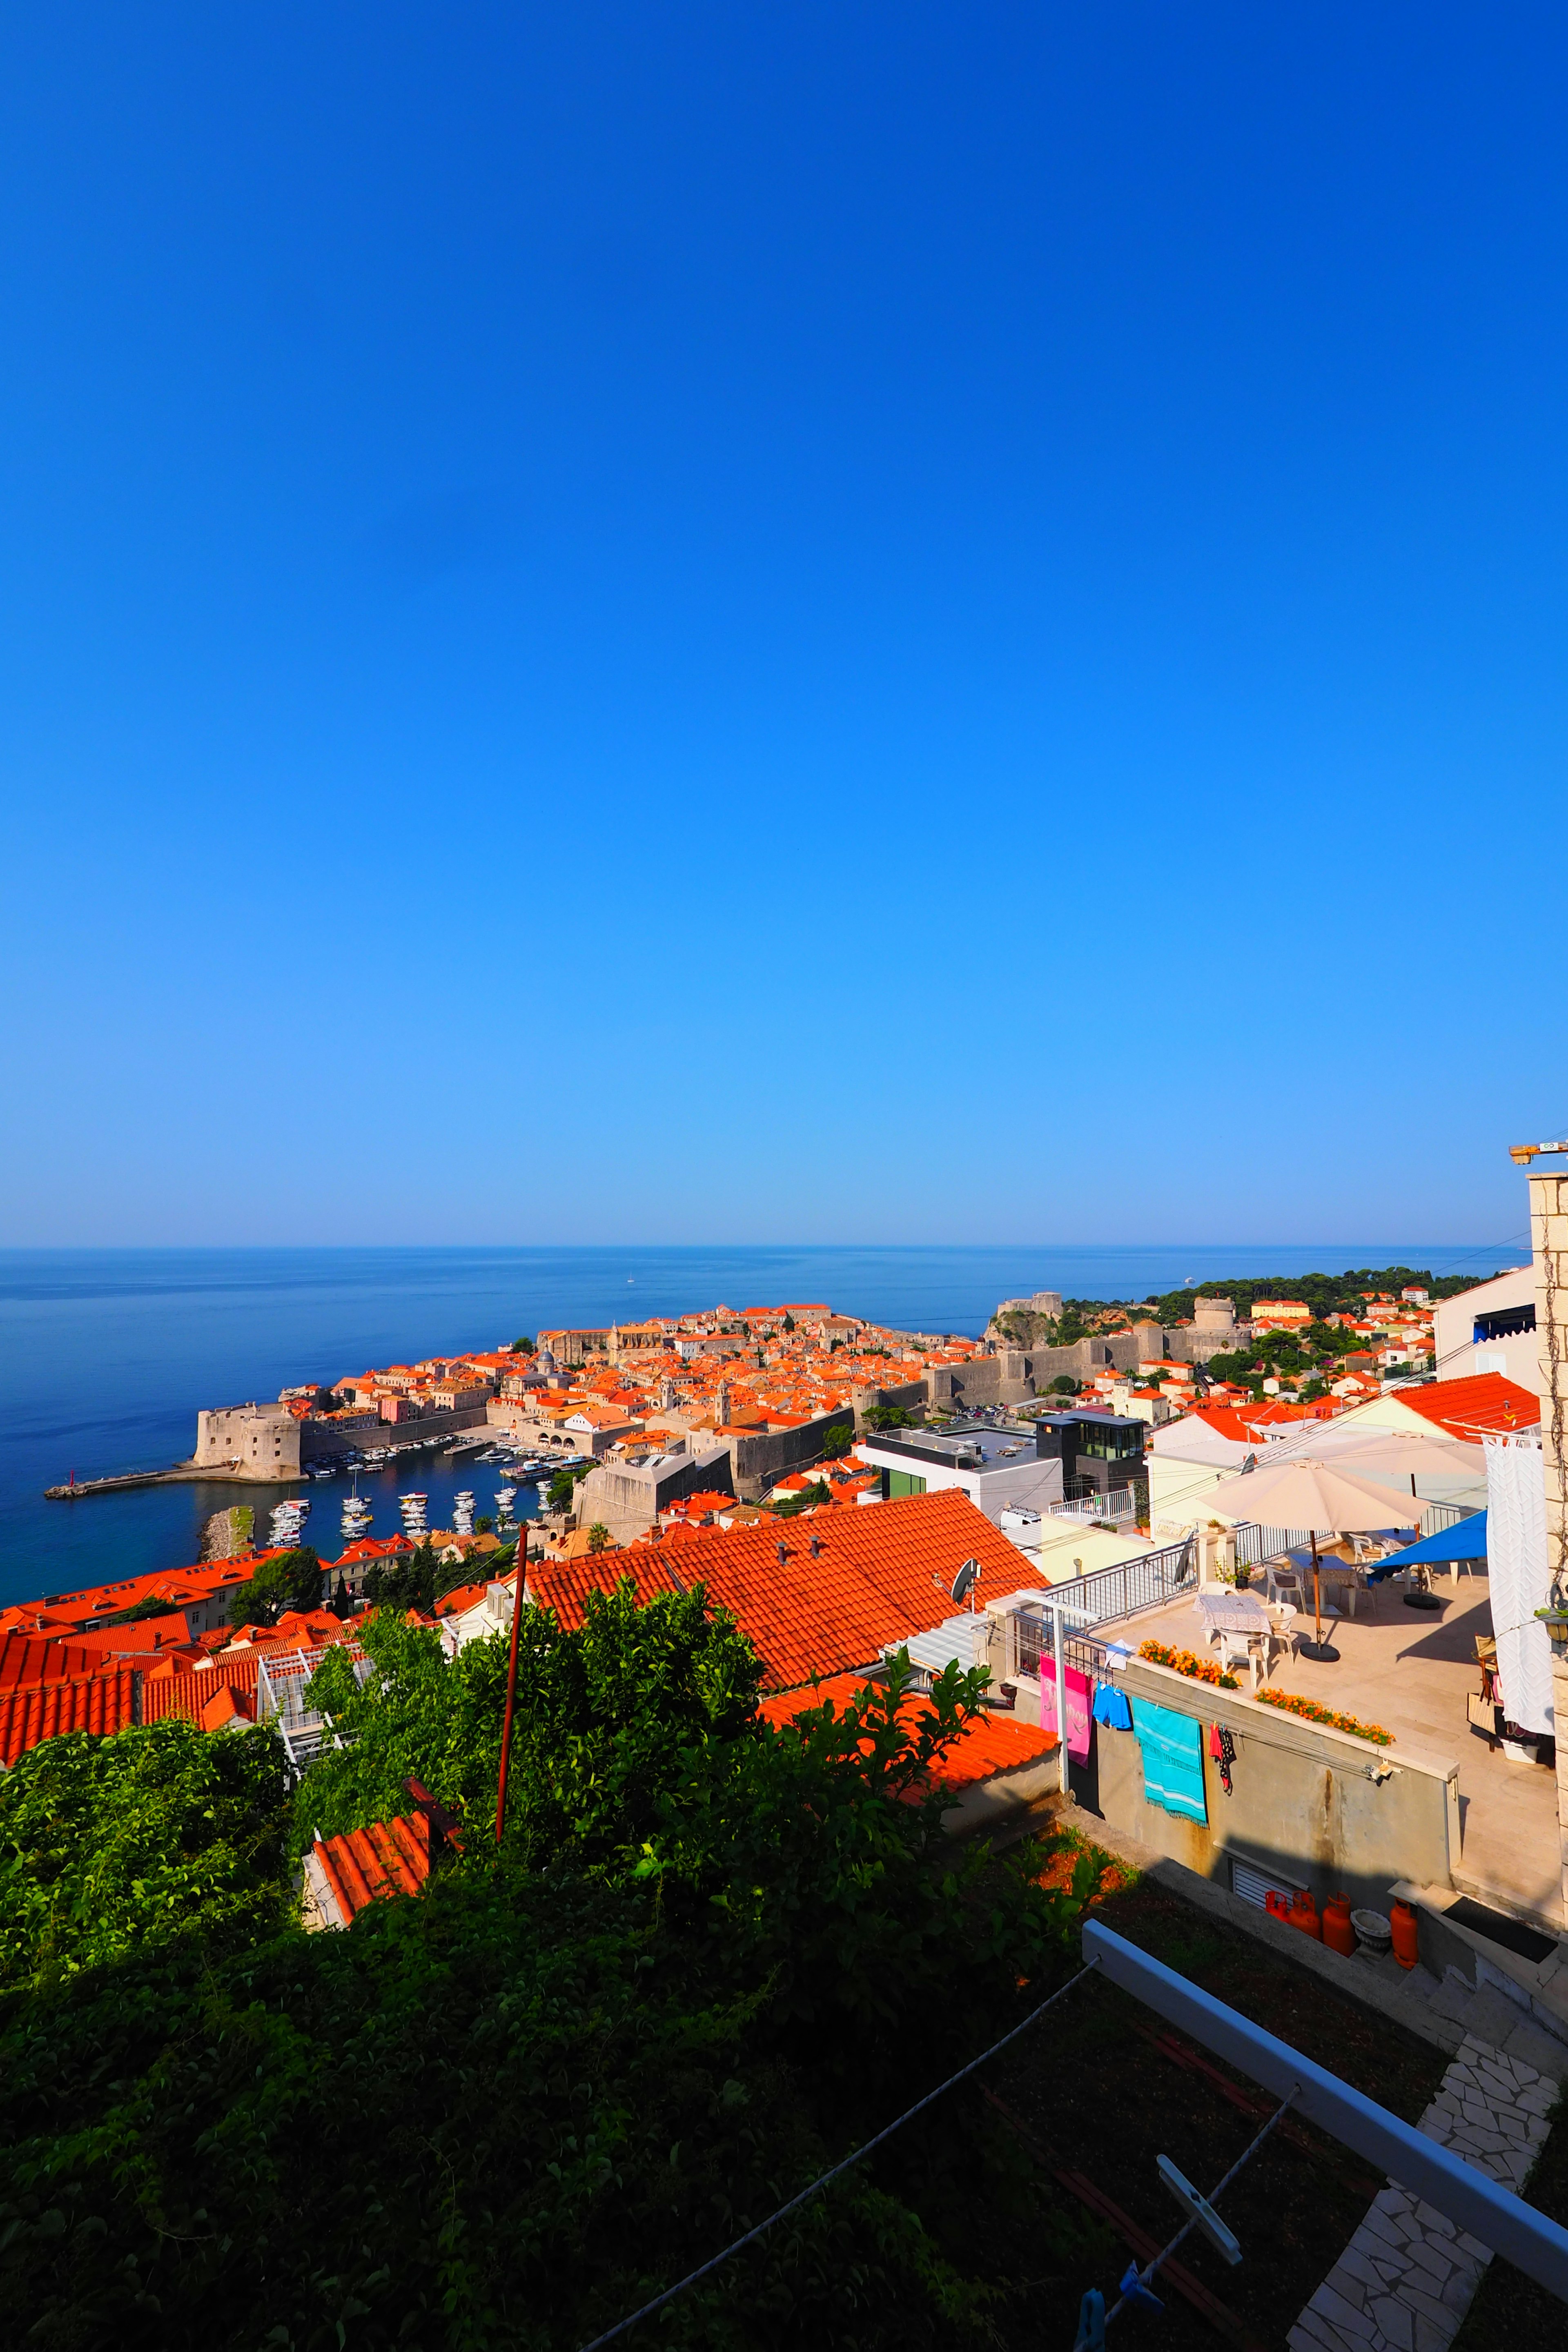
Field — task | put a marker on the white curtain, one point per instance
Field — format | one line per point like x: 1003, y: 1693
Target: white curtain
x: 1516, y: 1563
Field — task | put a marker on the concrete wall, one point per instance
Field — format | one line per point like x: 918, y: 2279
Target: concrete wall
x: 1030, y: 1483
x: 1303, y: 1803
x: 1549, y: 1241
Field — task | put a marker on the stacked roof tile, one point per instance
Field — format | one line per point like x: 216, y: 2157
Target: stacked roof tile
x: 100, y: 1702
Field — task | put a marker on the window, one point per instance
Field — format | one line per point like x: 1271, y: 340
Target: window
x: 900, y: 1483
x: 1255, y: 1884
x: 1109, y: 1445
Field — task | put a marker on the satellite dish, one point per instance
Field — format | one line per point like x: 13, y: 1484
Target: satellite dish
x: 964, y: 1582
x: 1250, y: 1464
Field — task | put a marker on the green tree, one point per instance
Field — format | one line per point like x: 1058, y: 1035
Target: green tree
x: 837, y: 1440
x: 889, y: 1416
x: 523, y: 1347
x: 291, y: 1580
x: 598, y: 1537
x: 710, y: 1958
x: 408, y: 1581
x: 563, y: 1486
x: 808, y: 1498
x: 111, y: 1847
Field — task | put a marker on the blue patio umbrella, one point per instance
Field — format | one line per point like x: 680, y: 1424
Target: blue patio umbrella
x: 1466, y: 1539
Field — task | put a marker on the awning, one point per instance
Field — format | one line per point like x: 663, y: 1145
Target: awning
x: 1466, y: 1539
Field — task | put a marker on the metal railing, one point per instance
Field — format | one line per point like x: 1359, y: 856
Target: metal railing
x: 1120, y: 1504
x: 1151, y: 1582
x: 280, y: 1688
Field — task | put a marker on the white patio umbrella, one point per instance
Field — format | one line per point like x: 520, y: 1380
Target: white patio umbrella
x: 1402, y: 1457
x: 1322, y: 1498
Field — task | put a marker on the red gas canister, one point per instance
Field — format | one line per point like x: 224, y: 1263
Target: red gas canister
x: 1402, y: 1920
x: 1338, y: 1933
x: 1276, y: 1906
x: 1304, y: 1915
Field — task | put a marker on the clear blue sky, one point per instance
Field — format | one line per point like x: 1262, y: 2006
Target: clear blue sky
x: 839, y: 623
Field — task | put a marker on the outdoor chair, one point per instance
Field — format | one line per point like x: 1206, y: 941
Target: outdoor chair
x: 1283, y: 1583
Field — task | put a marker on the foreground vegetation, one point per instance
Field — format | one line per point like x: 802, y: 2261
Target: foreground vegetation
x: 710, y: 1959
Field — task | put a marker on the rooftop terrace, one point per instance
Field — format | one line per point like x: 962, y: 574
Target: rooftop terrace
x: 1412, y: 1672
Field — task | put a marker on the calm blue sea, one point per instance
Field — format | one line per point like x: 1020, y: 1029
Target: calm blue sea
x: 105, y: 1355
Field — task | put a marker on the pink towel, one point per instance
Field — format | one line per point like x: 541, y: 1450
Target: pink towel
x: 1079, y: 1696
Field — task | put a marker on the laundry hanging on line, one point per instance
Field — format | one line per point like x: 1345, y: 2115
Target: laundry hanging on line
x: 1111, y: 1707
x: 1222, y: 1748
x: 1078, y: 1709
x: 1172, y: 1747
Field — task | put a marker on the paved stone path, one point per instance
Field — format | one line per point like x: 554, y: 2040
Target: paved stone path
x: 1408, y: 2276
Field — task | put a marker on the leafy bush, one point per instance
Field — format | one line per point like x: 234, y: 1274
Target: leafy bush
x: 710, y: 1959
x: 110, y: 1847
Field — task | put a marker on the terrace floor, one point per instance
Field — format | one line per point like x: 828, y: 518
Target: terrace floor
x: 1411, y: 1670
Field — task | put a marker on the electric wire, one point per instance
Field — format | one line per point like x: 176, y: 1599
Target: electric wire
x: 844, y: 2165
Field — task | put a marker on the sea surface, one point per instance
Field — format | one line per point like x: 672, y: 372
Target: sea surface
x: 106, y: 1355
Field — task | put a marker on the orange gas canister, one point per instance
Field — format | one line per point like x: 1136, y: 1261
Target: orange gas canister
x: 1275, y: 1905
x: 1338, y: 1933
x: 1402, y: 1918
x: 1304, y: 1915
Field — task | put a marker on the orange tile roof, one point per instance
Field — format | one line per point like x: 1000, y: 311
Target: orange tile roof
x: 1487, y: 1401
x: 989, y: 1745
x: 374, y: 1865
x: 36, y: 1711
x: 27, y: 1664
x: 875, y: 1578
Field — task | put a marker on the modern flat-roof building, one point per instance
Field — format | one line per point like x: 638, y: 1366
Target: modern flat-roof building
x: 998, y: 1469
x: 1100, y: 1452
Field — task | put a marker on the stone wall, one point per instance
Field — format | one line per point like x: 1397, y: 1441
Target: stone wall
x: 758, y: 1463
x: 327, y: 1441
x: 629, y: 1501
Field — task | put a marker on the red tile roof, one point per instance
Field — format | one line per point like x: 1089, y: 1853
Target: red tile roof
x: 988, y: 1745
x: 32, y: 1712
x: 187, y: 1692
x: 373, y: 1866
x: 25, y: 1664
x: 875, y: 1578
x: 1487, y: 1401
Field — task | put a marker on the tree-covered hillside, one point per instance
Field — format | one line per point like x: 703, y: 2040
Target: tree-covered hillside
x: 709, y: 1960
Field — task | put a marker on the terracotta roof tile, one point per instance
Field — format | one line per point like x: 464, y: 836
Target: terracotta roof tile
x: 988, y: 1745
x: 875, y: 1578
x: 374, y: 1865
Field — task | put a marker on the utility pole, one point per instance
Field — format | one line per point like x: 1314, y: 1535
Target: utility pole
x: 510, y: 1680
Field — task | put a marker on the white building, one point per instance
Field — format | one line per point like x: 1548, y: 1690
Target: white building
x: 1490, y: 1328
x: 996, y: 1469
